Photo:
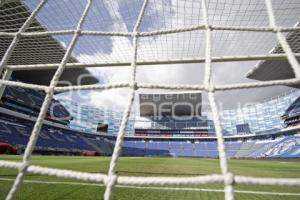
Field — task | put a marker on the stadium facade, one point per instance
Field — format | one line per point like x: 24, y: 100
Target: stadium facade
x: 259, y: 117
x: 86, y: 118
x: 262, y: 116
x: 19, y: 109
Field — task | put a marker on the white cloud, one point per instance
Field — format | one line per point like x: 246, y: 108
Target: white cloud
x: 115, y: 99
x: 190, y: 44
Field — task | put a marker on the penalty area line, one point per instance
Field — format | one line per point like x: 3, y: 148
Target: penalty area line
x: 154, y: 188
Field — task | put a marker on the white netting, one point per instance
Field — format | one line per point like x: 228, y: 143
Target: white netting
x: 238, y: 17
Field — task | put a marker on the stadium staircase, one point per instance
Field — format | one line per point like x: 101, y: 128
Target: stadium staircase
x: 98, y: 146
x: 245, y: 149
x: 286, y: 145
x: 267, y: 145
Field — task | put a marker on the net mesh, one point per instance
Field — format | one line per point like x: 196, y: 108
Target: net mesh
x: 181, y: 37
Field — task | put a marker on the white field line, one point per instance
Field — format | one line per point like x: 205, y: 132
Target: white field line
x: 155, y: 188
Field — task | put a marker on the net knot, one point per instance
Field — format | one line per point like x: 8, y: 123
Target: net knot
x: 111, y: 180
x: 134, y: 86
x: 135, y: 34
x: 276, y: 29
x: 209, y: 88
x: 24, y: 166
x: 18, y: 35
x: 229, y: 179
x: 49, y: 90
x: 208, y: 27
x: 78, y: 32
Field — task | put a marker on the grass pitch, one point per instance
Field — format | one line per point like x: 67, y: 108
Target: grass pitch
x: 50, y: 188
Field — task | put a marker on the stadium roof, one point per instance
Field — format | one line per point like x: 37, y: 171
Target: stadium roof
x: 35, y: 50
x: 277, y: 69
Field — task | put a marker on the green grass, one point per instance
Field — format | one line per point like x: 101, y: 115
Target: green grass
x: 148, y: 167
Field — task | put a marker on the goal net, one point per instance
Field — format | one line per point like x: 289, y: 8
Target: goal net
x: 151, y: 33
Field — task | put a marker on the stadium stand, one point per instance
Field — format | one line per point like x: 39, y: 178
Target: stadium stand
x: 56, y: 139
x: 292, y: 114
x: 20, y: 106
x: 164, y: 136
x: 28, y: 101
x: 18, y: 112
x: 286, y: 145
x: 53, y: 139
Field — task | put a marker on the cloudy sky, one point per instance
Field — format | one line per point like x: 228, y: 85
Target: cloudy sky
x: 121, y: 16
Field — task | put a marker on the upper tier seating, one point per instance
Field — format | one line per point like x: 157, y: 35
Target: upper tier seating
x: 16, y: 132
x: 29, y: 101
